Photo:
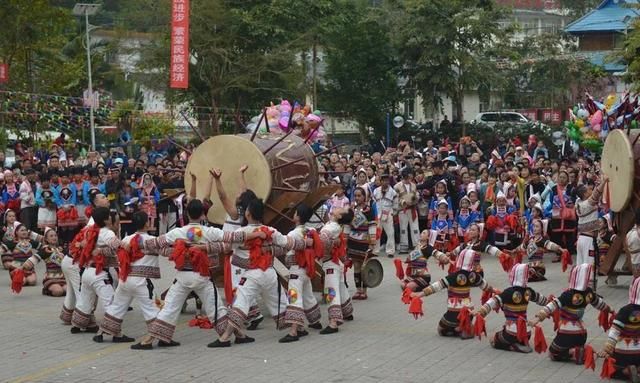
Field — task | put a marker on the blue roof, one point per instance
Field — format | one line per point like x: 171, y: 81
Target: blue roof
x: 610, y: 15
x: 604, y: 60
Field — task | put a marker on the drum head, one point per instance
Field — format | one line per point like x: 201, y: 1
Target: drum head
x: 228, y: 153
x: 618, y: 164
x: 372, y: 273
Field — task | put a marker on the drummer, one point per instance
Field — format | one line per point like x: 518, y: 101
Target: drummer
x: 632, y: 245
x: 234, y: 220
x: 587, y: 211
x: 361, y: 240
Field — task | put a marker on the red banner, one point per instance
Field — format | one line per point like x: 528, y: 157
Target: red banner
x: 4, y: 73
x: 179, y: 68
x: 552, y: 116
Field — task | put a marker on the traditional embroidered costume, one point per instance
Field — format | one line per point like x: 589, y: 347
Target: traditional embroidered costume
x: 514, y: 301
x: 571, y: 333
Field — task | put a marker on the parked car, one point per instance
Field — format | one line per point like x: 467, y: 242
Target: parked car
x: 493, y: 118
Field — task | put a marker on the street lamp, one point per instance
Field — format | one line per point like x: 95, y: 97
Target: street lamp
x: 87, y: 10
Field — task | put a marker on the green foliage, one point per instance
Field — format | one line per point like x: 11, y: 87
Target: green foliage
x: 543, y: 71
x: 578, y: 8
x: 147, y: 128
x: 632, y: 54
x: 446, y: 46
x: 362, y: 70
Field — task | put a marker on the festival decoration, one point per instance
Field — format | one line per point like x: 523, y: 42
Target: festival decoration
x: 285, y: 118
x: 589, y: 123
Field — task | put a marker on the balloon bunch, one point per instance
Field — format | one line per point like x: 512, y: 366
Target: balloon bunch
x: 283, y: 118
x: 590, y: 122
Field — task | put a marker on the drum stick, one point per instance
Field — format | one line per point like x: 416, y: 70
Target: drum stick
x: 180, y: 146
x: 195, y: 130
x: 266, y: 120
x: 304, y: 158
x: 288, y: 189
x: 312, y: 132
x: 277, y: 142
x: 253, y: 135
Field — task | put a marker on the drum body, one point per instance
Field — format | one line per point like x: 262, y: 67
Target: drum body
x: 281, y: 187
x: 621, y: 163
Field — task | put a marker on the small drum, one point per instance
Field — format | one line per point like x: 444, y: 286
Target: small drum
x: 620, y: 161
x: 372, y: 272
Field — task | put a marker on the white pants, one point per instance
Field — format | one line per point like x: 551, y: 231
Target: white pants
x: 257, y: 283
x: 164, y: 325
x: 584, y: 249
x: 387, y: 226
x: 335, y: 292
x: 406, y: 219
x: 134, y: 287
x: 93, y: 287
x: 71, y: 273
x: 302, y: 303
x: 236, y: 276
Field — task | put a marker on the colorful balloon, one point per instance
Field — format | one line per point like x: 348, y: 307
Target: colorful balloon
x: 596, y: 118
x: 582, y: 114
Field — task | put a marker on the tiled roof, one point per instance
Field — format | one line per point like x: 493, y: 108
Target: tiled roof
x: 610, y: 15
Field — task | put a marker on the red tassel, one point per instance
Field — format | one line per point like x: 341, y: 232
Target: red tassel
x: 589, y: 360
x: 519, y: 255
x: 179, y: 253
x: 506, y: 262
x: 98, y: 260
x: 521, y: 335
x: 479, y: 327
x: 464, y: 320
x: 603, y: 320
x: 612, y: 317
x: 399, y: 272
x: 415, y: 307
x: 539, y: 341
x: 17, y: 280
x: 511, y: 221
x: 228, y: 286
x: 124, y: 264
x: 201, y: 321
x: 452, y: 268
x: 556, y: 320
x: 200, y: 261
x: 608, y: 368
x: 453, y: 243
x: 492, y: 223
x: 566, y: 260
x: 406, y: 296
x: 486, y: 295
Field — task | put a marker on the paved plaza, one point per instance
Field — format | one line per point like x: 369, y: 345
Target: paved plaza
x: 383, y: 344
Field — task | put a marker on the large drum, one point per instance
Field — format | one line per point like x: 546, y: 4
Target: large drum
x: 620, y: 161
x: 283, y: 176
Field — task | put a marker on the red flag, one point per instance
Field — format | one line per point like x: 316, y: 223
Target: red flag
x: 179, y: 65
x: 415, y: 308
x: 479, y: 327
x: 589, y: 360
x: 539, y: 341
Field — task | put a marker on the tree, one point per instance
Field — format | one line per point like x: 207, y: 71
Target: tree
x: 631, y: 54
x: 446, y: 46
x: 578, y: 8
x: 543, y: 71
x: 362, y: 70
